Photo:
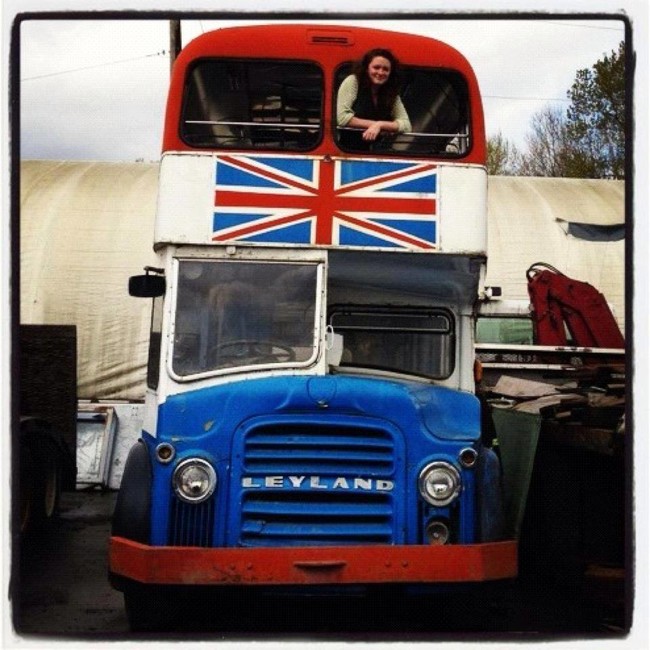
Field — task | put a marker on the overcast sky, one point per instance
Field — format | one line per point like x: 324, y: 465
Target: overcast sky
x: 95, y: 89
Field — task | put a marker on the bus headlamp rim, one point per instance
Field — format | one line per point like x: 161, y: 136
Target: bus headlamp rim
x: 165, y: 453
x: 198, y: 493
x: 439, y: 472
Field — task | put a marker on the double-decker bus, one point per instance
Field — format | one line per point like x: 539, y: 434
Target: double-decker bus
x: 310, y: 412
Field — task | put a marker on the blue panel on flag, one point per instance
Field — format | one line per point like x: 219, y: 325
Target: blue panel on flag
x: 299, y: 233
x: 422, y: 185
x: 352, y: 237
x: 300, y: 167
x: 424, y: 229
x: 227, y: 175
x: 425, y: 184
x: 357, y: 170
x: 223, y: 220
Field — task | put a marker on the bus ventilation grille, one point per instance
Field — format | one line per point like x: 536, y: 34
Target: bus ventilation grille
x: 346, y: 511
x: 321, y: 37
x: 191, y: 524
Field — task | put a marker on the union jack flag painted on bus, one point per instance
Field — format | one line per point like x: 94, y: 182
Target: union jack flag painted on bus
x: 350, y: 202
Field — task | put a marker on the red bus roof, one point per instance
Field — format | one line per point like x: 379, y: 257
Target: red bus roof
x: 329, y: 45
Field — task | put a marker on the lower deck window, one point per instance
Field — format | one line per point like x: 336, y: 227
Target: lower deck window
x: 411, y: 341
x: 239, y: 314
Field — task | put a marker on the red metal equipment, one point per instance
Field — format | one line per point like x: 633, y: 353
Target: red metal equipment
x: 558, y: 301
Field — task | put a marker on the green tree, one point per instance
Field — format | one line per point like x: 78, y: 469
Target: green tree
x: 546, y: 144
x: 596, y: 119
x: 503, y: 158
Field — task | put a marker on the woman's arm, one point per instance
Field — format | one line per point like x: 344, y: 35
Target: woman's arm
x: 373, y: 127
x: 345, y: 116
x: 345, y: 98
x: 400, y: 123
x: 401, y: 116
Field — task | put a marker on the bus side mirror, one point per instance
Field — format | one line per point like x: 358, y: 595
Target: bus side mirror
x: 147, y: 286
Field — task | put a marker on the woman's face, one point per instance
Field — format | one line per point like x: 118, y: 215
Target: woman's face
x: 379, y: 70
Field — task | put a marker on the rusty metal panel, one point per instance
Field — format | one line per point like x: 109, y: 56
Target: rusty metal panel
x: 312, y: 565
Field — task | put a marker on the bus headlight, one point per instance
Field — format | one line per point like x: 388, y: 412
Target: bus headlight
x: 439, y: 483
x: 194, y: 480
x: 437, y: 533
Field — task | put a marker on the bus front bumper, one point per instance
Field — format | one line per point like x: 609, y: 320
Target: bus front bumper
x: 179, y: 565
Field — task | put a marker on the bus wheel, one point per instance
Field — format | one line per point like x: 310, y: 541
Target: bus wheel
x: 51, y: 489
x: 26, y: 491
x: 150, y: 609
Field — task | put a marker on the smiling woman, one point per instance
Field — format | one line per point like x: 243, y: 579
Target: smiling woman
x: 368, y: 99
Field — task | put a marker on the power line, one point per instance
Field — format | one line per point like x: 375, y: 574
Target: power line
x: 526, y: 99
x: 97, y: 65
x: 613, y: 29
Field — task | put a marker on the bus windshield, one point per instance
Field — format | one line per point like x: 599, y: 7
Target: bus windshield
x: 251, y: 104
x: 231, y: 315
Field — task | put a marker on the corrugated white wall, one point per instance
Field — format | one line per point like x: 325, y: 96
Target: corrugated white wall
x: 85, y: 227
x: 523, y: 229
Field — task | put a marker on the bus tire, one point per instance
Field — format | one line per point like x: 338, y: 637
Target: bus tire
x: 46, y: 482
x: 50, y: 492
x: 131, y: 518
x: 26, y: 491
x: 150, y: 609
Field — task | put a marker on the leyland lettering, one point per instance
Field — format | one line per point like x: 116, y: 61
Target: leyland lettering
x: 317, y: 483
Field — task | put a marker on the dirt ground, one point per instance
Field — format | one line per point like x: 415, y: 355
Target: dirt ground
x: 62, y: 588
x: 60, y: 592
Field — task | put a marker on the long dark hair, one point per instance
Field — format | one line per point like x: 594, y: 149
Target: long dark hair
x: 388, y: 91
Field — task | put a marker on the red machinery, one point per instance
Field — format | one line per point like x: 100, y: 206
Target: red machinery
x: 560, y: 303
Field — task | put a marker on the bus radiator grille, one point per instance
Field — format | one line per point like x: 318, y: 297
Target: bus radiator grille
x: 308, y: 519
x: 309, y: 514
x: 191, y: 524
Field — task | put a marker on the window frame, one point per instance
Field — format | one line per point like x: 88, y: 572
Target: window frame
x: 154, y: 354
x: 338, y: 78
x: 317, y: 325
x: 182, y: 132
x: 397, y: 311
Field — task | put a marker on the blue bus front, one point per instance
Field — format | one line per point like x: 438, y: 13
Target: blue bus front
x: 309, y: 425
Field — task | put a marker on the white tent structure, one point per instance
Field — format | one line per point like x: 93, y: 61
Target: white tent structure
x: 534, y: 219
x: 85, y: 227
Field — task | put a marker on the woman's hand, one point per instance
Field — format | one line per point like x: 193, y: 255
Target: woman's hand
x: 372, y: 131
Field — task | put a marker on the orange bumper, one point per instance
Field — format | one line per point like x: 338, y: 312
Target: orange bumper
x: 177, y: 565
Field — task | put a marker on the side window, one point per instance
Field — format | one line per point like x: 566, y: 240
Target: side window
x: 504, y: 330
x: 414, y: 341
x: 437, y: 103
x: 250, y: 104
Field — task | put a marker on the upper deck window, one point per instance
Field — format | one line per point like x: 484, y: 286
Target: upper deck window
x: 437, y: 103
x: 235, y: 104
